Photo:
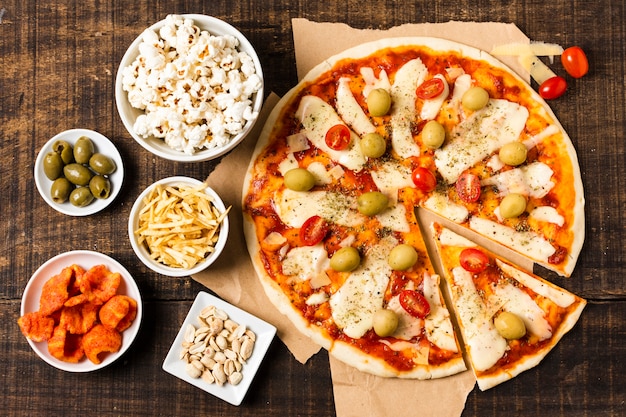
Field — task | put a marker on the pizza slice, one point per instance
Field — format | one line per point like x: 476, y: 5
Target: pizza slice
x: 509, y: 319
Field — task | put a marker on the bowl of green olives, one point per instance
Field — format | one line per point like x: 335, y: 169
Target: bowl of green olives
x: 79, y: 172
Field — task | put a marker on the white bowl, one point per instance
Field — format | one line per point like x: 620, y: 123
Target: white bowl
x: 157, y: 146
x: 264, y: 332
x: 85, y: 259
x: 142, y: 252
x: 103, y: 145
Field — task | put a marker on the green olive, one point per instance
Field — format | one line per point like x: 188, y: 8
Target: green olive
x: 102, y: 164
x: 373, y: 145
x: 100, y: 186
x: 299, y: 179
x: 402, y: 257
x: 475, y: 98
x: 512, y: 205
x: 385, y: 322
x: 378, y: 102
x: 509, y: 325
x: 83, y: 149
x: 64, y: 149
x: 77, y: 174
x: 372, y: 203
x: 345, y: 259
x: 433, y: 134
x: 81, y: 197
x: 513, y: 153
x: 52, y: 165
x: 60, y: 190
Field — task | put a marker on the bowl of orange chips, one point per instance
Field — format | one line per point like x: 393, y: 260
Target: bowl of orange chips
x: 81, y: 310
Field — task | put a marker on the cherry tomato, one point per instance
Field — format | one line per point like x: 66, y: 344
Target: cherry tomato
x: 430, y: 89
x: 575, y: 61
x: 313, y: 230
x: 473, y: 260
x: 553, y: 88
x: 338, y: 137
x: 424, y: 179
x: 414, y: 303
x: 468, y: 187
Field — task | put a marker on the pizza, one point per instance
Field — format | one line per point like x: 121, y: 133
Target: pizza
x: 348, y: 155
x: 509, y: 318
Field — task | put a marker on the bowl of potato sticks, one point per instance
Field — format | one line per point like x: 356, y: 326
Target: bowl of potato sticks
x: 178, y: 226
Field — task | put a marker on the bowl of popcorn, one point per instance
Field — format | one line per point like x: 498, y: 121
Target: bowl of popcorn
x: 178, y: 226
x: 189, y: 88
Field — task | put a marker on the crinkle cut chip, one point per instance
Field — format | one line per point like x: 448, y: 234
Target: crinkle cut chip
x: 101, y: 339
x: 36, y: 326
x: 65, y: 346
x: 119, y: 312
x: 79, y: 319
x: 100, y: 284
x: 56, y: 290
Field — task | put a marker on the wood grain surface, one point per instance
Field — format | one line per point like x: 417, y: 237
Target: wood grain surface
x: 58, y: 62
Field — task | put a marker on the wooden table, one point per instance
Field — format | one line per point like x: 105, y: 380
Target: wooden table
x: 58, y: 61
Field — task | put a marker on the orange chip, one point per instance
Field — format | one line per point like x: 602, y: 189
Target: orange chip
x: 36, y: 326
x: 55, y: 290
x: 119, y: 312
x: 101, y: 339
x: 65, y: 346
x: 100, y: 284
x: 79, y: 319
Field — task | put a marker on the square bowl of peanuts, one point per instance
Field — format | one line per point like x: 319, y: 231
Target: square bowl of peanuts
x: 219, y: 348
x: 178, y: 226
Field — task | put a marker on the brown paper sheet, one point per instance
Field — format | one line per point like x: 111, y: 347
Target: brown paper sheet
x: 233, y: 278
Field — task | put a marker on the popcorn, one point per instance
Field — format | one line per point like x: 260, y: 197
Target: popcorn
x: 195, y: 88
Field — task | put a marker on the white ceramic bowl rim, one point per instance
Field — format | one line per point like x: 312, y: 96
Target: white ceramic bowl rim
x: 157, y: 146
x: 142, y: 252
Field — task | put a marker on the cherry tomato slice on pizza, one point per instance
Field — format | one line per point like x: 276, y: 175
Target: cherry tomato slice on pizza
x: 424, y: 179
x: 575, y: 61
x: 414, y: 303
x: 313, y: 230
x: 473, y: 260
x: 430, y: 88
x: 468, y: 187
x: 553, y: 88
x: 338, y: 137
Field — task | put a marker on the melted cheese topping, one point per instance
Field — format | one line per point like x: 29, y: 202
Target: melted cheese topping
x: 559, y: 297
x: 317, y: 117
x: 361, y: 295
x: 479, y: 135
x: 485, y: 344
x: 431, y: 107
x: 390, y: 177
x: 532, y: 180
x: 440, y: 204
x: 350, y: 110
x: 308, y: 263
x: 547, y: 214
x: 438, y: 325
x: 295, y: 207
x: 408, y: 326
x: 527, y: 243
x: 403, y: 97
x: 516, y: 301
x: 395, y: 219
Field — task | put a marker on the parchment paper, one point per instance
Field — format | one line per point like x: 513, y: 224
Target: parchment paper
x: 233, y: 278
